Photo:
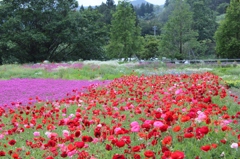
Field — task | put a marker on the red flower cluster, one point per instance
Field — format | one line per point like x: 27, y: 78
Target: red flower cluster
x: 133, y: 117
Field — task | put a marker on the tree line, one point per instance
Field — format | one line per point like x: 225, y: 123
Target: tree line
x: 55, y: 30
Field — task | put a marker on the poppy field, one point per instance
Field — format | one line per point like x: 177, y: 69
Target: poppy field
x: 133, y: 117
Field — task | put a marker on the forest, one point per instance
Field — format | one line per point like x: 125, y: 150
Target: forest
x: 32, y: 31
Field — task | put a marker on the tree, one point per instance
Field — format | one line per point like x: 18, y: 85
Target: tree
x: 82, y: 8
x: 177, y: 32
x: 204, y: 19
x: 124, y: 34
x: 33, y: 30
x: 227, y: 35
x: 150, y: 47
x: 166, y: 3
x: 106, y: 10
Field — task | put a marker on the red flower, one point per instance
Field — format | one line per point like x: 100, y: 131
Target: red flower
x: 223, y: 141
x: 177, y: 128
x: 15, y: 155
x: 167, y: 140
x: 12, y: 142
x: 177, y: 155
x: 137, y: 156
x: 136, y: 148
x: 77, y: 133
x: 185, y: 118
x: 49, y: 157
x: 118, y: 156
x: 204, y: 130
x: 63, y: 154
x: 71, y: 147
x: 2, y: 153
x: 214, y: 146
x: 188, y: 135
x: 206, y: 148
x: 79, y: 144
x: 120, y: 143
x: 108, y: 147
x: 149, y: 153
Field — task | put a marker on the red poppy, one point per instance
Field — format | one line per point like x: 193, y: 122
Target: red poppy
x: 63, y: 154
x: 77, y: 133
x: 177, y: 128
x: 177, y: 155
x: 206, y: 148
x: 79, y: 144
x: 204, y: 130
x: 223, y: 141
x: 15, y: 155
x: 71, y: 147
x: 108, y: 147
x: 118, y: 156
x: 137, y: 156
x: 167, y: 140
x: 149, y: 153
x: 136, y: 148
x: 12, y: 142
x: 188, y: 135
x: 2, y: 153
x: 185, y: 118
x: 120, y: 143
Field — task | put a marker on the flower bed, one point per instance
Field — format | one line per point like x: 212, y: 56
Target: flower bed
x: 167, y: 117
x: 16, y: 92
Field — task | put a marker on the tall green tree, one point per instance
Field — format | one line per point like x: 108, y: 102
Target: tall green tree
x: 204, y: 19
x: 124, y: 35
x: 227, y: 35
x: 178, y: 33
x: 33, y: 30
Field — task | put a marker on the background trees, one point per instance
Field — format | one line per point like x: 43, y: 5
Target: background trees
x: 228, y: 35
x: 55, y: 30
x: 33, y: 30
x: 36, y: 30
x: 178, y: 32
x: 125, y: 33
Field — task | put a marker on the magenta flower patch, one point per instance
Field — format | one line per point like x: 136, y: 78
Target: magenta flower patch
x: 26, y: 91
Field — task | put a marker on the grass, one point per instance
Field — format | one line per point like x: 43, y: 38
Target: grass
x: 110, y: 70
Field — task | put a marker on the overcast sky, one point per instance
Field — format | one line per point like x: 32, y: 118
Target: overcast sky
x: 98, y: 2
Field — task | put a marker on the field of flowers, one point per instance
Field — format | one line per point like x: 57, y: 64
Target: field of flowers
x: 178, y: 116
x: 16, y: 92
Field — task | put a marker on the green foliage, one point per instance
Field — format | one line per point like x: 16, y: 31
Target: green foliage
x: 233, y: 83
x: 124, y: 35
x: 221, y: 9
x: 227, y: 35
x: 177, y: 32
x: 49, y: 30
x: 151, y: 46
x: 143, y: 9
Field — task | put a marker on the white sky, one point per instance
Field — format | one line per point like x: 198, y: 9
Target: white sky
x: 98, y: 2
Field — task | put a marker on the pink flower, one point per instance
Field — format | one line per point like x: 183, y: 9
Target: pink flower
x: 178, y: 91
x: 117, y: 129
x: 1, y: 136
x: 234, y: 145
x: 36, y: 133
x: 201, y: 117
x: 147, y: 122
x: 158, y: 124
x: 95, y: 140
x: 134, y: 123
x: 65, y: 133
x: 135, y: 128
